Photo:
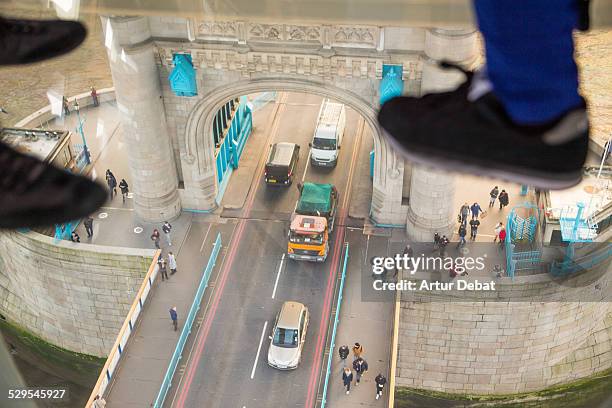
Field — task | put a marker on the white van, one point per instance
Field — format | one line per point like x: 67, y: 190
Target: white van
x: 327, y: 139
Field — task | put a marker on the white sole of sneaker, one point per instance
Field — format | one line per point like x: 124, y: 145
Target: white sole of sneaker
x: 541, y: 180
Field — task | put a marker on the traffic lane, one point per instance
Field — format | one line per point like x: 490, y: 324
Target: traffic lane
x: 226, y: 363
x: 304, y: 99
x: 297, y: 125
x: 339, y: 175
x: 275, y: 202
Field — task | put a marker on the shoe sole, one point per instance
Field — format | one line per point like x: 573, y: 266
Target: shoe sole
x: 49, y: 217
x: 541, y: 180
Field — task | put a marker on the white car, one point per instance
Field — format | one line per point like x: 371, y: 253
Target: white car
x: 288, y: 336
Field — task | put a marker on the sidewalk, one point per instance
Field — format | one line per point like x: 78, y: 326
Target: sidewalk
x: 370, y: 324
x: 115, y: 223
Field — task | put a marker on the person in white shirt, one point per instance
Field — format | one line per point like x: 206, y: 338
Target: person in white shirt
x: 172, y: 263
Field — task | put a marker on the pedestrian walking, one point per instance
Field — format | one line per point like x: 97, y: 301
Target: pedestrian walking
x: 94, y: 97
x: 174, y: 317
x: 347, y: 379
x: 504, y: 199
x: 172, y: 263
x: 357, y: 351
x: 88, y: 223
x: 409, y: 252
x: 361, y: 367
x: 474, y: 224
x: 65, y: 106
x: 163, y: 268
x: 98, y: 402
x: 502, y: 236
x: 436, y: 242
x: 493, y: 196
x: 74, y: 237
x: 155, y: 238
x: 123, y: 186
x: 380, y: 381
x: 476, y: 210
x: 167, y: 228
x: 343, y: 352
x: 443, y: 243
x: 112, y: 183
x: 498, y: 228
x: 463, y: 213
x: 462, y: 233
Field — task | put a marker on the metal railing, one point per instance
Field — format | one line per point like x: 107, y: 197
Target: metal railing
x: 590, y: 261
x: 129, y: 325
x: 193, y: 311
x: 336, y: 321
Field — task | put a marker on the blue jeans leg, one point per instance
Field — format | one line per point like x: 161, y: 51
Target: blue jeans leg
x: 530, y: 56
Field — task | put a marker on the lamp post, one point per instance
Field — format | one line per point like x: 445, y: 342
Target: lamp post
x: 80, y: 130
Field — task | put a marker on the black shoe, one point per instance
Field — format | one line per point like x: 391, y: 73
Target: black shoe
x: 27, y: 41
x: 449, y: 131
x: 37, y: 194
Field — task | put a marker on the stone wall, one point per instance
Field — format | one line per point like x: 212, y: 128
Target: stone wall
x: 75, y: 296
x: 503, y: 347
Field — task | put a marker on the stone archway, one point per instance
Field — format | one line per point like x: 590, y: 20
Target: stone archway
x: 198, y: 156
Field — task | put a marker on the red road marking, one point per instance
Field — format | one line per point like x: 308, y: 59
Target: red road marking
x: 333, y: 271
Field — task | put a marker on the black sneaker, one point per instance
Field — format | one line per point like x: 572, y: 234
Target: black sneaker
x: 27, y: 41
x: 449, y: 131
x: 34, y: 194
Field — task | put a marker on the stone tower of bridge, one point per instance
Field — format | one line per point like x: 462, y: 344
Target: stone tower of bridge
x: 139, y: 99
x: 431, y: 191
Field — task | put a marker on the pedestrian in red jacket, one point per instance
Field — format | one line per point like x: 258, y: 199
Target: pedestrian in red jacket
x: 502, y: 236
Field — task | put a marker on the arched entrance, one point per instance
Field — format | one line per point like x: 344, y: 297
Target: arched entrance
x: 198, y: 162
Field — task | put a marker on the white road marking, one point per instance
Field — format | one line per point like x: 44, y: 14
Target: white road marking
x: 263, y: 333
x: 280, y: 268
x: 306, y: 168
x: 205, y: 236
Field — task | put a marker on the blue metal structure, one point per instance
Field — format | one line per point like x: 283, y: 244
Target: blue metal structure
x: 83, y: 159
x: 232, y: 127
x: 392, y: 83
x: 183, y: 76
x: 195, y: 306
x: 372, y: 164
x: 335, y: 328
x: 520, y: 232
x: 64, y: 231
x: 571, y: 265
x: 576, y: 227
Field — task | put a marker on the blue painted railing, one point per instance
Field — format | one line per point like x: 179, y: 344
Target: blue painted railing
x: 587, y: 262
x: 333, y: 337
x: 193, y: 311
x: 228, y: 156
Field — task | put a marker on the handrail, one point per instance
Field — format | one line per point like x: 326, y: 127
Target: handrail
x: 394, y: 347
x: 559, y: 268
x: 336, y: 321
x: 195, y: 306
x: 126, y: 329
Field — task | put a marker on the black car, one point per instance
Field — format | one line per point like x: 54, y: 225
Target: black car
x: 282, y: 164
